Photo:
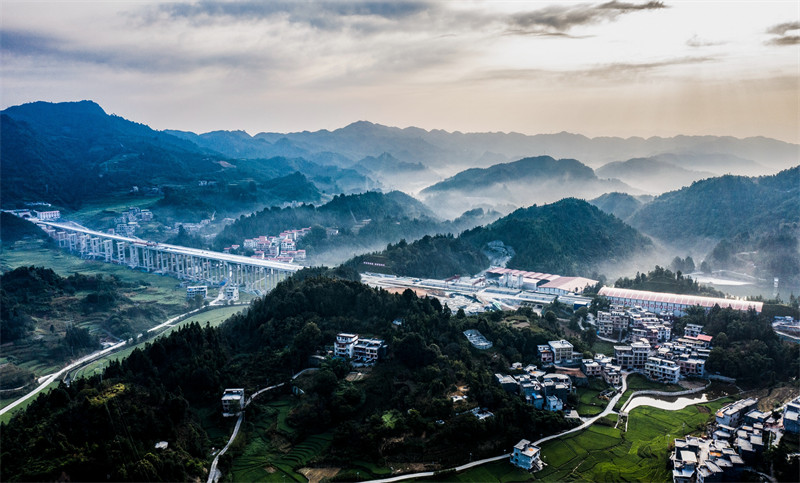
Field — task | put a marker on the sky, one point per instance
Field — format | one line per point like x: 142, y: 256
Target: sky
x: 614, y: 68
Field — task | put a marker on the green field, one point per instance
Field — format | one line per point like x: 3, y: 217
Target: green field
x: 638, y: 382
x: 603, y: 347
x: 214, y: 317
x: 602, y: 453
x: 588, y: 403
x: 161, y: 289
x: 263, y: 454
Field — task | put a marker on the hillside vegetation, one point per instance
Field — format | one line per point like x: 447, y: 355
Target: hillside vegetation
x: 363, y: 221
x: 723, y: 207
x: 569, y: 237
x: 169, y: 390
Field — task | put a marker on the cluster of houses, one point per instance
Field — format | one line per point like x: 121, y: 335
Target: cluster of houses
x: 539, y: 389
x: 128, y: 222
x: 281, y: 248
x: 634, y: 322
x: 669, y: 362
x: 738, y: 438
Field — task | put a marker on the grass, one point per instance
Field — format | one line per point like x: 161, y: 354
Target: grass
x: 603, y: 347
x: 602, y: 453
x: 637, y: 382
x: 264, y: 456
x: 500, y: 471
x: 588, y: 403
x: 213, y: 317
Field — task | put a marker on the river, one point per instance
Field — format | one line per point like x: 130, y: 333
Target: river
x: 670, y: 403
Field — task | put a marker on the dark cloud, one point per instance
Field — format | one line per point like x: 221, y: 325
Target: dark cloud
x: 604, y: 71
x: 780, y: 31
x: 785, y: 40
x: 321, y: 14
x: 782, y: 28
x: 618, y: 69
x: 26, y: 43
x: 137, y: 58
x: 562, y: 18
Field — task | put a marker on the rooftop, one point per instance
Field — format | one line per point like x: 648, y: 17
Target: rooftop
x: 689, y: 300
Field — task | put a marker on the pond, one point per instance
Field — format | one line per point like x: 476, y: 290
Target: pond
x: 667, y: 403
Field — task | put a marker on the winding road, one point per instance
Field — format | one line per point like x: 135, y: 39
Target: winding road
x: 608, y: 410
x: 214, y: 474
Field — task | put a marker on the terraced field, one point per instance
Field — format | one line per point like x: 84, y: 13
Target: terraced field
x: 263, y: 460
x: 602, y: 453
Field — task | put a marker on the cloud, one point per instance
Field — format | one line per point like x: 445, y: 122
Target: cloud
x: 323, y: 15
x: 611, y: 71
x: 562, y: 18
x: 782, y: 28
x: 697, y: 42
x: 140, y: 58
x: 780, y: 31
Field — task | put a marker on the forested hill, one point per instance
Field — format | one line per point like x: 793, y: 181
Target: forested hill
x: 364, y: 222
x: 69, y: 152
x: 342, y: 212
x: 540, y: 179
x: 621, y: 205
x: 569, y: 237
x: 537, y: 168
x: 105, y: 428
x: 723, y: 207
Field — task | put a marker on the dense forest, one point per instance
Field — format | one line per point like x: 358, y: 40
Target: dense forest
x: 362, y: 221
x: 439, y: 256
x: 745, y: 346
x: 723, y: 207
x: 58, y: 310
x: 663, y: 280
x: 569, y: 237
x: 158, y: 393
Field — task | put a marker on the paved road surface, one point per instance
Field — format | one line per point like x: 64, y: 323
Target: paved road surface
x: 608, y: 410
x: 54, y: 376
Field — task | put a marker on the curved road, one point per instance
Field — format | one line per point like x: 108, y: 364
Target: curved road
x: 608, y: 410
x: 214, y: 474
x: 52, y: 377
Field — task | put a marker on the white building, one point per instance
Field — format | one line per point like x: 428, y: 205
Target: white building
x: 47, y: 215
x: 231, y: 292
x: 662, y: 370
x: 193, y: 291
x: 562, y: 351
x: 790, y: 417
x: 692, y: 330
x: 359, y: 350
x: 232, y: 402
x: 673, y: 303
x: 553, y: 403
x: 526, y: 456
